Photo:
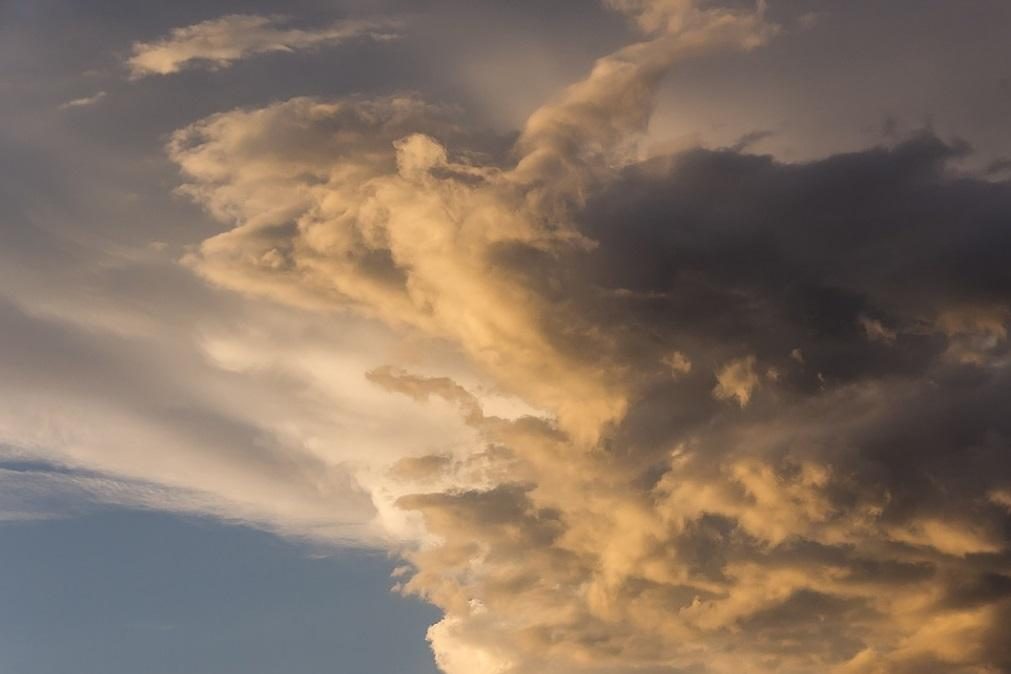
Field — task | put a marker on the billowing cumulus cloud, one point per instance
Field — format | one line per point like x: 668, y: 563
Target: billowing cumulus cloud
x: 217, y: 43
x: 394, y: 224
x: 839, y: 515
x: 704, y: 413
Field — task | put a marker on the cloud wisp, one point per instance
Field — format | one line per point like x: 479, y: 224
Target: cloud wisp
x: 83, y: 102
x: 218, y: 43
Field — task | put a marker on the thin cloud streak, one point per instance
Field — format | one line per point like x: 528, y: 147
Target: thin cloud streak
x: 218, y: 43
x: 86, y: 101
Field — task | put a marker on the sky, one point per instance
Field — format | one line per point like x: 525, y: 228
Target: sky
x: 581, y: 337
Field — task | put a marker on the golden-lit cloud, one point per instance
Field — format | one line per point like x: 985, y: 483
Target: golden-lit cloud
x: 217, y: 43
x: 631, y: 520
x: 737, y: 380
x: 703, y: 413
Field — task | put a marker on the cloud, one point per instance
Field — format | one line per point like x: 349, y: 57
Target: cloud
x: 252, y: 413
x: 974, y: 333
x: 85, y: 102
x: 394, y: 228
x: 36, y: 492
x: 639, y: 523
x: 399, y: 227
x: 737, y: 379
x: 217, y: 43
x: 160, y: 428
x: 678, y: 363
x: 876, y: 331
x: 720, y: 457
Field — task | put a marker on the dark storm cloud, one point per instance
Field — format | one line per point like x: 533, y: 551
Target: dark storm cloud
x: 754, y: 255
x: 734, y: 254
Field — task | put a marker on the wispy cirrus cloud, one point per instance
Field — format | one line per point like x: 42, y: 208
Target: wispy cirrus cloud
x: 217, y: 43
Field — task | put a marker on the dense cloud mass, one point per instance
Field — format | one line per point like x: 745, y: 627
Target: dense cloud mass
x: 758, y: 414
x: 775, y: 425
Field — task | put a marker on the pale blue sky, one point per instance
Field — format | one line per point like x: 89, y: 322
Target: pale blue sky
x: 122, y: 592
